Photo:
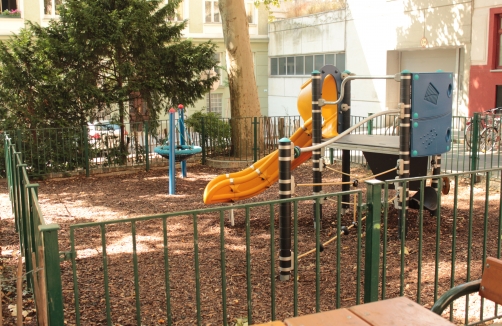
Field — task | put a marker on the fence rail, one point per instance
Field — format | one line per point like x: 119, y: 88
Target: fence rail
x: 64, y: 151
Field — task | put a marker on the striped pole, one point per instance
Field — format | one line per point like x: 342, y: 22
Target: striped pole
x: 172, y: 159
x: 436, y: 170
x: 181, y: 123
x: 316, y: 138
x: 285, y: 209
x: 346, y: 153
x: 404, y: 142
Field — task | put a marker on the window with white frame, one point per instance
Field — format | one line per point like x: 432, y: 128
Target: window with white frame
x: 214, y: 102
x: 9, y: 5
x: 251, y: 12
x: 305, y: 64
x: 51, y: 7
x: 211, y: 11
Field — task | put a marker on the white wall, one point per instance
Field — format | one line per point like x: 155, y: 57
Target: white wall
x: 373, y: 35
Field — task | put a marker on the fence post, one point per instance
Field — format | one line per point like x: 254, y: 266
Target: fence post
x: 18, y: 144
x: 23, y: 219
x: 372, y: 244
x: 32, y: 240
x: 475, y: 142
x: 370, y: 125
x: 203, y: 140
x: 255, y: 139
x: 85, y: 135
x: 147, y: 147
x: 53, y: 274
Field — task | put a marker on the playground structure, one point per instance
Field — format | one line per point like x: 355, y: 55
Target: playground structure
x: 180, y: 152
x: 425, y: 115
x: 380, y: 151
x: 425, y: 109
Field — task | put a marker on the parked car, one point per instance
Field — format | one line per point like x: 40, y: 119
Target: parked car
x: 104, y: 134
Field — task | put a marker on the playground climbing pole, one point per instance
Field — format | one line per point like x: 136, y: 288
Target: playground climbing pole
x: 403, y: 170
x: 172, y: 162
x: 346, y: 153
x: 285, y: 184
x: 316, y: 140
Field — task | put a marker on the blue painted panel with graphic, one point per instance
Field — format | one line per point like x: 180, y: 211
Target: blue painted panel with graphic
x: 431, y: 113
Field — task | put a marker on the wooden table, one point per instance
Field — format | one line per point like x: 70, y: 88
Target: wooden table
x: 397, y: 311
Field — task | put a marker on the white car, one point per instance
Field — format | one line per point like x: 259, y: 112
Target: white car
x: 104, y: 134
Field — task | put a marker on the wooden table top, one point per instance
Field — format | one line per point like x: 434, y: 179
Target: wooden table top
x: 397, y: 311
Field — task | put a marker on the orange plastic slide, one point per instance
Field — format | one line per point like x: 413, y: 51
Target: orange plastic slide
x: 261, y: 175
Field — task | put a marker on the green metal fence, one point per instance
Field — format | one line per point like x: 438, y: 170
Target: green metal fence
x: 135, y: 260
x: 64, y: 151
x: 38, y: 241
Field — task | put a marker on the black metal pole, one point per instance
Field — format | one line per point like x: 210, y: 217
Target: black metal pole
x: 436, y: 170
x: 316, y: 138
x: 404, y: 143
x: 345, y: 107
x: 285, y: 209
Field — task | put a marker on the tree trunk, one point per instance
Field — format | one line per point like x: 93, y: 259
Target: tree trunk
x: 241, y: 79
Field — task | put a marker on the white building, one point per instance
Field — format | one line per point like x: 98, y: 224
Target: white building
x: 378, y: 37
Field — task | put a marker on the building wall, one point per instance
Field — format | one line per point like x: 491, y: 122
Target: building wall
x: 484, y: 76
x: 379, y: 37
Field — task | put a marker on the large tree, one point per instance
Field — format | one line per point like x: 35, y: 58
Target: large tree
x: 34, y: 92
x: 103, y: 52
x: 240, y: 69
x: 134, y: 50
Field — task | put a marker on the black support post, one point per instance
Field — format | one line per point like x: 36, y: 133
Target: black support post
x: 345, y: 107
x: 316, y: 139
x: 404, y: 143
x: 285, y: 209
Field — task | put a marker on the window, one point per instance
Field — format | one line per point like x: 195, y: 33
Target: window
x: 304, y: 65
x: 214, y: 102
x: 251, y: 12
x: 299, y: 66
x: 498, y: 96
x: 51, y: 7
x: 9, y: 5
x: 290, y: 65
x: 309, y: 64
x: 499, y: 39
x: 274, y: 66
x: 282, y: 66
x: 212, y: 12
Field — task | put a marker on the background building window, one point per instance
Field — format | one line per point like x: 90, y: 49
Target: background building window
x: 282, y: 66
x: 8, y: 5
x: 304, y: 65
x: 498, y: 96
x: 212, y: 12
x: 51, y: 7
x: 214, y: 102
x: 251, y: 12
x: 299, y: 66
x: 499, y: 41
x: 290, y: 65
x: 274, y: 66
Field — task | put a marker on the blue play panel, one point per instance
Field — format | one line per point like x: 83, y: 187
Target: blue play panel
x: 431, y: 113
